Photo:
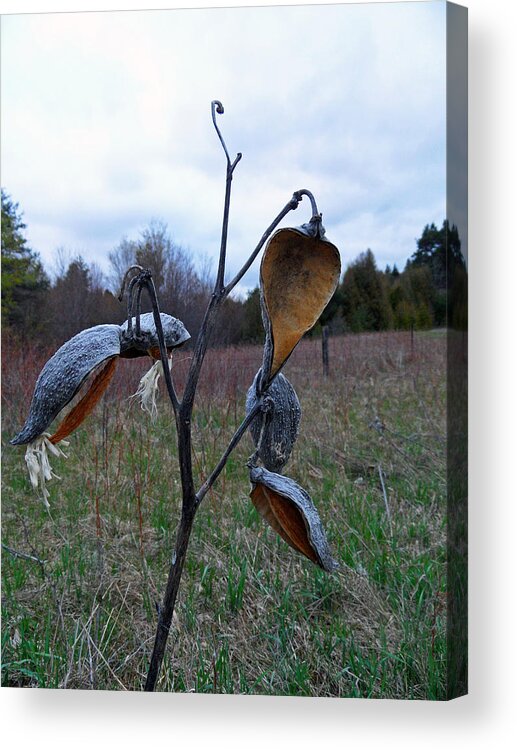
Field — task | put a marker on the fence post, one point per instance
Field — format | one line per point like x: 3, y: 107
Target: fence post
x: 325, y: 349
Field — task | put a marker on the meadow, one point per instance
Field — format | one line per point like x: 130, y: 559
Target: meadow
x: 81, y: 582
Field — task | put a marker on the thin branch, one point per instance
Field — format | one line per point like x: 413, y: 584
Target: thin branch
x: 310, y: 196
x: 218, y: 107
x: 219, y: 284
x: 385, y: 495
x: 170, y: 595
x: 198, y: 357
x: 291, y: 206
x: 231, y: 445
x: 22, y: 555
x: 130, y: 303
x: 219, y: 295
x: 138, y: 310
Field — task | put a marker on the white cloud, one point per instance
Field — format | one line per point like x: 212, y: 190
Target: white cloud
x: 106, y: 124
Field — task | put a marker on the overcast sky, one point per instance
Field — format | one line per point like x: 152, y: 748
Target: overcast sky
x: 106, y: 125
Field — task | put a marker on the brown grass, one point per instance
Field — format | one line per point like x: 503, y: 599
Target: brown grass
x: 253, y: 615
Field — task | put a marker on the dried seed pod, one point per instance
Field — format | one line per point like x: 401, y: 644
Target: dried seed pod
x: 299, y: 273
x: 66, y: 371
x: 274, y: 432
x: 63, y: 375
x: 291, y: 513
x: 174, y: 333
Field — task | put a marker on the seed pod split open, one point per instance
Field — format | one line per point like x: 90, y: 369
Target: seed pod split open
x: 88, y: 359
x: 63, y: 375
x: 290, y: 511
x: 274, y: 432
x: 299, y: 273
x: 67, y: 370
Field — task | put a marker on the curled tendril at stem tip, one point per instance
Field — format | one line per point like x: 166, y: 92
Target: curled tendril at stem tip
x: 218, y: 107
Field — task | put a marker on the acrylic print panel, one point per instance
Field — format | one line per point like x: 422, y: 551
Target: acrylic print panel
x: 281, y: 507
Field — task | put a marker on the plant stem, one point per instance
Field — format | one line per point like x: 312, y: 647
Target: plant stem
x: 291, y: 206
x: 191, y: 503
x: 219, y: 284
x: 171, y: 593
x: 183, y: 409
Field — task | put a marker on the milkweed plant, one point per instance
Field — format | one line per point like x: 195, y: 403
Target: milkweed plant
x: 299, y: 273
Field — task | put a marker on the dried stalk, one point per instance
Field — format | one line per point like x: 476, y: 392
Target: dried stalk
x: 183, y: 408
x: 385, y: 496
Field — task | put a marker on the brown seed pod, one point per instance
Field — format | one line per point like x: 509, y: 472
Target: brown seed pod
x: 291, y: 513
x: 274, y: 431
x: 299, y: 273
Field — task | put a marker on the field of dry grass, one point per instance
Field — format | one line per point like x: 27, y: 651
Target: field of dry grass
x: 81, y: 583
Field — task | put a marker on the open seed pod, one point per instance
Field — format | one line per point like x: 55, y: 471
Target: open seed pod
x: 299, y: 273
x: 63, y: 375
x: 291, y: 513
x: 67, y: 370
x: 88, y: 362
x: 274, y: 432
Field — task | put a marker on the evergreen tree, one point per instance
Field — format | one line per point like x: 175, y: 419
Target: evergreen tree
x: 252, y: 327
x: 365, y: 296
x: 70, y: 301
x: 332, y: 315
x: 438, y: 250
x: 24, y: 282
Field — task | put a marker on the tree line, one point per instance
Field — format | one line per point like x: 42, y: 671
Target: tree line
x: 80, y: 294
x: 430, y: 292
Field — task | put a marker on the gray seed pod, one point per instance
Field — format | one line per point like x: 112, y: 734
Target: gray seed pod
x: 174, y: 334
x: 65, y: 372
x: 274, y: 432
x: 290, y: 511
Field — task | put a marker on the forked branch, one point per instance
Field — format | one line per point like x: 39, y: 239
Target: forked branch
x: 183, y: 410
x: 291, y: 206
x: 218, y: 108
